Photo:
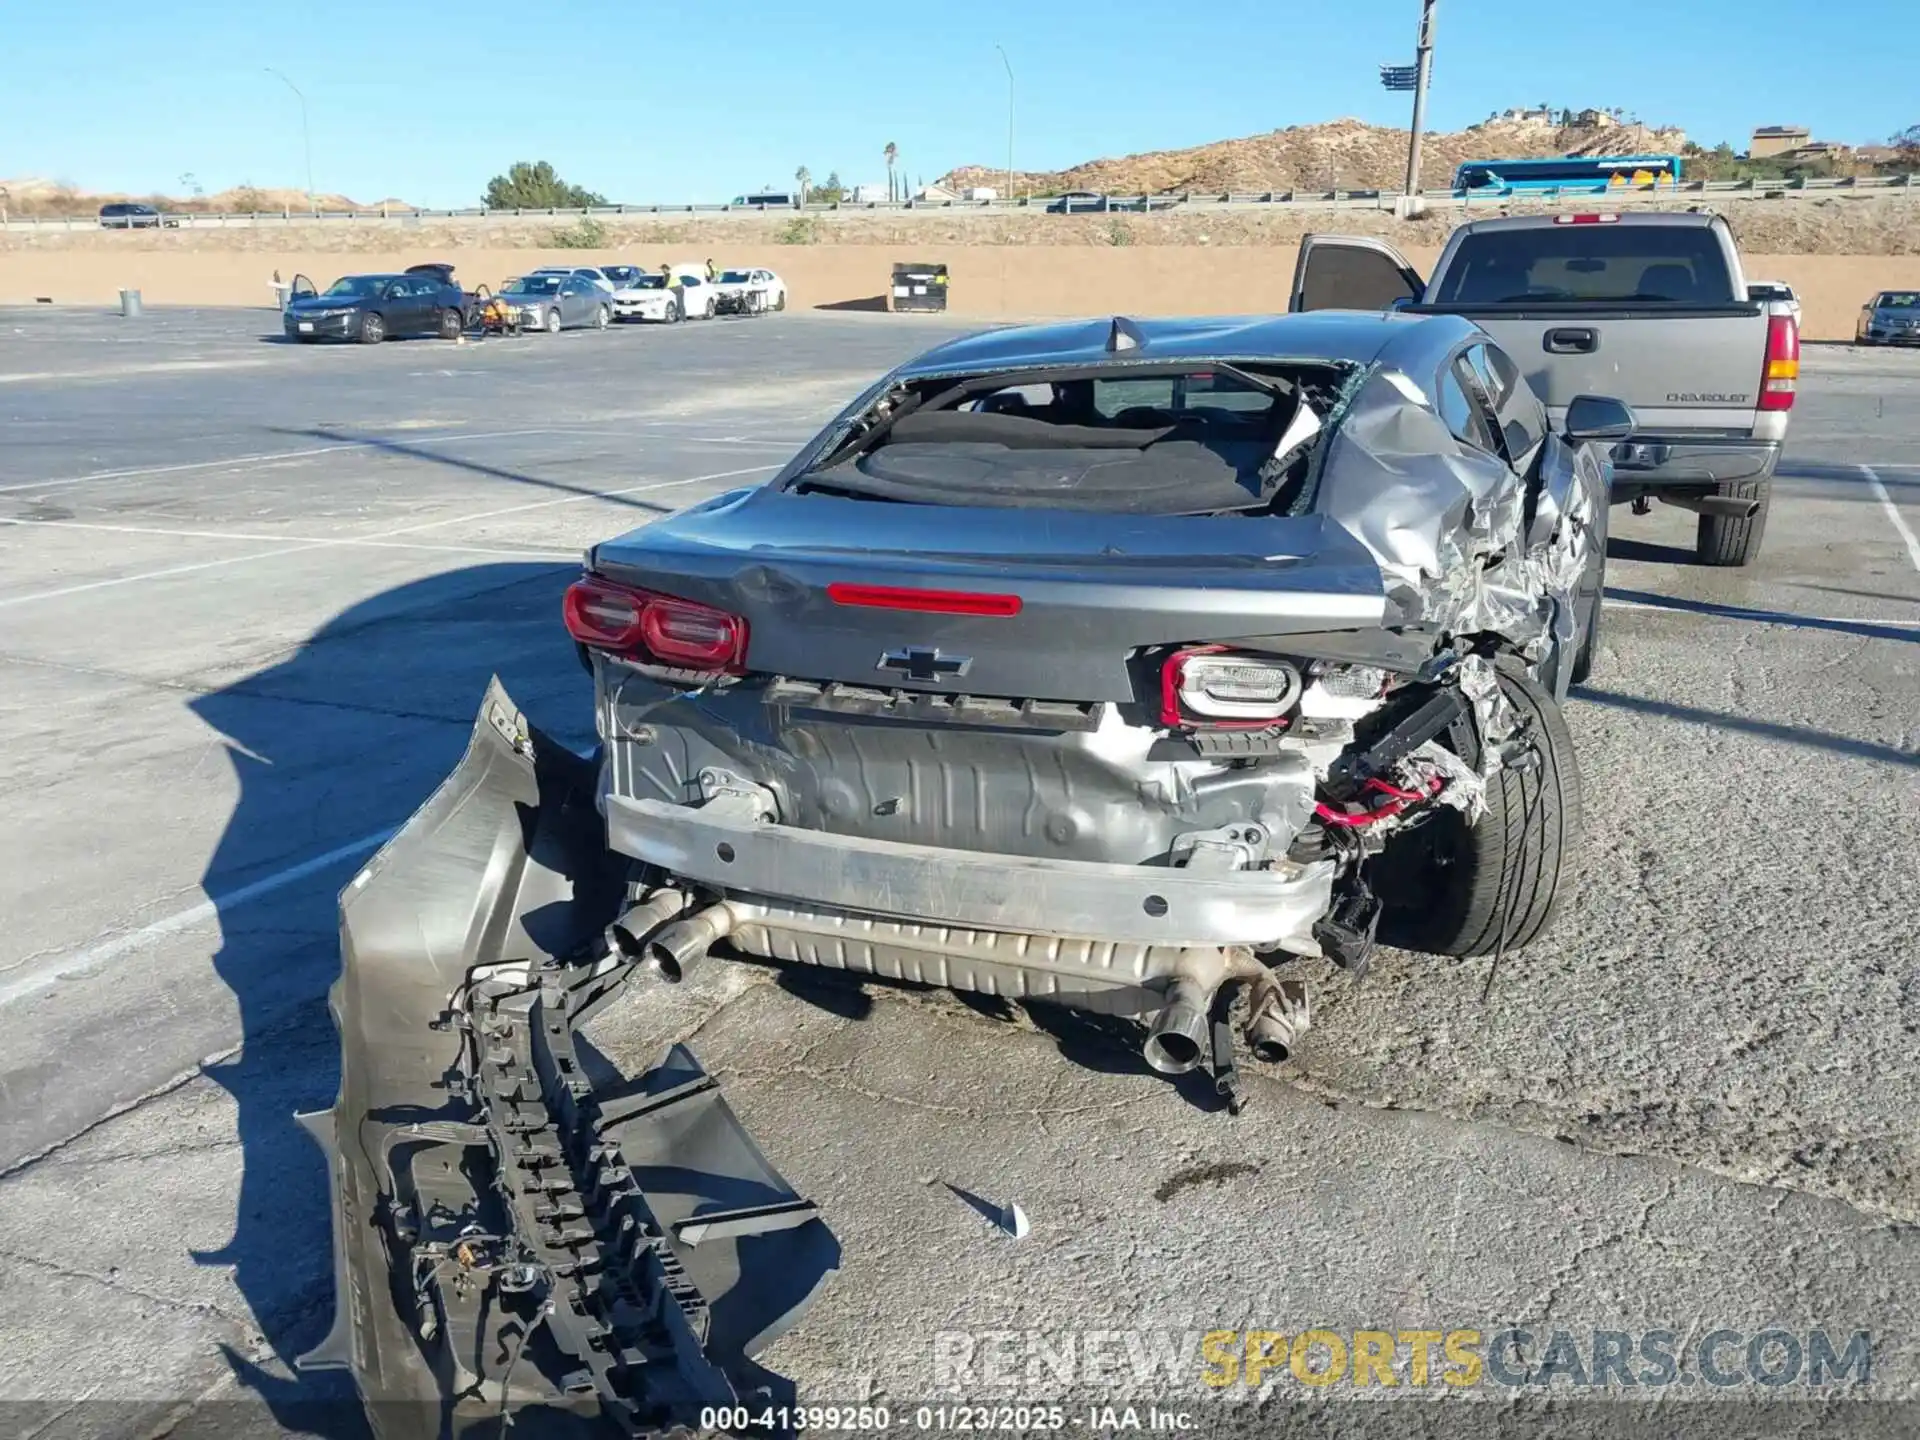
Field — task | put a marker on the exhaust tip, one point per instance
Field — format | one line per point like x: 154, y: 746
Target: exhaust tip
x: 663, y: 962
x: 1171, y: 1053
x: 1271, y: 1052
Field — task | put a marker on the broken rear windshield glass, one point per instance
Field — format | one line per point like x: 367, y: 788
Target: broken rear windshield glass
x: 1647, y: 264
x: 1203, y: 441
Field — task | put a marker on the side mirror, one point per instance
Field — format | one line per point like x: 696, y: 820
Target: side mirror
x: 1598, y: 417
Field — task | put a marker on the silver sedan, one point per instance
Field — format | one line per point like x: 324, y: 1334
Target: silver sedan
x: 558, y: 302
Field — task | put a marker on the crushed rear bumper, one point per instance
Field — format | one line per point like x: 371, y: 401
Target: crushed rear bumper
x: 512, y: 1235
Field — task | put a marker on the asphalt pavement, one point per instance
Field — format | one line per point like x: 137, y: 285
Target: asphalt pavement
x: 251, y: 594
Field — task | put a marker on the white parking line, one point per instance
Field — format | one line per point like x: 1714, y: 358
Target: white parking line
x: 533, y: 553
x: 144, y: 470
x: 212, y: 908
x: 1879, y: 489
x: 349, y: 540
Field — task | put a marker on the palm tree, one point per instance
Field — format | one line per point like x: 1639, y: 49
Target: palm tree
x: 892, y: 152
x: 803, y: 177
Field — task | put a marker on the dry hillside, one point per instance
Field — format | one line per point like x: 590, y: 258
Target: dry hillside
x: 1342, y: 153
x: 33, y: 196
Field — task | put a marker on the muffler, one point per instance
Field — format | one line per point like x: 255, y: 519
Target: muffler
x: 684, y: 943
x: 1730, y: 507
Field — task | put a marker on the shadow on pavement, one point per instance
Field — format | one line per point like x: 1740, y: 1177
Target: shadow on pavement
x: 1620, y: 548
x: 1762, y: 729
x: 342, y: 738
x: 1865, y: 629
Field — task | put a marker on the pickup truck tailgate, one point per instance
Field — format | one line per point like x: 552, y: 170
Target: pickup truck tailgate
x: 1687, y: 370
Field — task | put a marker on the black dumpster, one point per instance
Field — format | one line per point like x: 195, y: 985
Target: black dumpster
x: 919, y: 287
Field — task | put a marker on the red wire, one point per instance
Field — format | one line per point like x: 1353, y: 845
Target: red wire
x: 1399, y: 801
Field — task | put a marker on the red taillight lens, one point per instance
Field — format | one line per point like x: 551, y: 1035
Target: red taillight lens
x: 930, y: 602
x: 1585, y: 219
x: 626, y: 621
x: 604, y: 616
x: 1780, y: 380
x: 1207, y: 687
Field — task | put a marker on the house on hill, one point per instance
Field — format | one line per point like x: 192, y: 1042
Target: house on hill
x: 1771, y: 140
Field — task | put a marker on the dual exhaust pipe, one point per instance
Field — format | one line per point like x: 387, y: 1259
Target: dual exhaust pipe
x: 1191, y: 1026
x: 667, y: 946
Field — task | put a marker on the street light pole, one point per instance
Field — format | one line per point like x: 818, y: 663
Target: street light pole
x: 1009, y: 64
x: 1423, y: 66
x: 306, y: 137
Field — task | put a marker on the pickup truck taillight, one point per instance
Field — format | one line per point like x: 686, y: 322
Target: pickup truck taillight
x: 1781, y: 377
x: 638, y: 623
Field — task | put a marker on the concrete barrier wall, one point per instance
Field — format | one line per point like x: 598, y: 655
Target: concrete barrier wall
x: 988, y: 281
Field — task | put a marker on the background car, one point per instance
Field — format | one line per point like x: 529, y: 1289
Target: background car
x: 1076, y: 202
x: 372, y: 308
x: 127, y: 215
x: 621, y: 275
x: 1891, y: 318
x: 586, y: 272
x: 555, y: 302
x: 647, y: 297
x: 772, y: 288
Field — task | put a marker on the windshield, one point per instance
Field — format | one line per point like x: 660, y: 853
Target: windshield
x: 734, y: 277
x: 648, y: 282
x: 1654, y: 264
x: 1899, y: 300
x: 1191, y: 441
x: 532, y: 285
x: 357, y: 285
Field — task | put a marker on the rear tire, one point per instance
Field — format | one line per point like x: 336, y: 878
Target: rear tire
x: 673, y: 312
x: 1449, y: 888
x: 1723, y: 540
x: 452, y: 324
x: 603, y: 319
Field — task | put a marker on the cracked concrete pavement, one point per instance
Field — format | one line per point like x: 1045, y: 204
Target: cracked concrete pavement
x: 245, y: 618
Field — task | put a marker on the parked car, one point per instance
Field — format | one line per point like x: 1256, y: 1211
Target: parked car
x: 475, y: 299
x: 127, y: 215
x: 734, y: 287
x: 648, y: 296
x: 770, y: 199
x: 621, y: 275
x: 1654, y: 304
x: 558, y: 301
x: 1891, y: 318
x: 372, y: 308
x: 586, y: 272
x: 1775, y: 292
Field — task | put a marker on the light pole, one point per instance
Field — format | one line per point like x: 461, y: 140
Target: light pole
x: 1423, y: 68
x: 306, y: 137
x: 1009, y: 64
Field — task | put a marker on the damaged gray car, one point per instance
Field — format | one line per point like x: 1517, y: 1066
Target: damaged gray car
x: 1118, y: 665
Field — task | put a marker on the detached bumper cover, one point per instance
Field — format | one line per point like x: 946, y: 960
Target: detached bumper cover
x: 729, y: 848
x: 509, y: 1235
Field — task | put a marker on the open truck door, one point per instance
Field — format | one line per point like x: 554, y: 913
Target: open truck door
x: 1351, y: 272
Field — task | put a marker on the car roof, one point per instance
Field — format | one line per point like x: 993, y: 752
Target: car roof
x: 1356, y: 337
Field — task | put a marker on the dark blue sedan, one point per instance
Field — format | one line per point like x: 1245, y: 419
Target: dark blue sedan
x: 372, y: 308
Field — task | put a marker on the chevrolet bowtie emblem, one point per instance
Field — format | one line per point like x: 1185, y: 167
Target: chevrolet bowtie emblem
x: 918, y: 662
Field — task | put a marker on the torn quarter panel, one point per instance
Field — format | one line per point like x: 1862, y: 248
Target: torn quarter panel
x: 510, y: 1236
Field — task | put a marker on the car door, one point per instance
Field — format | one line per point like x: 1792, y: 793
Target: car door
x: 576, y: 297
x: 302, y: 289
x: 1351, y: 272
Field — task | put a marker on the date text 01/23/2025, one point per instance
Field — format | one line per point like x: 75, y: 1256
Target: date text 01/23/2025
x: 970, y: 1419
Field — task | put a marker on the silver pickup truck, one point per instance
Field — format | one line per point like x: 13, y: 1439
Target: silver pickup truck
x: 1653, y: 309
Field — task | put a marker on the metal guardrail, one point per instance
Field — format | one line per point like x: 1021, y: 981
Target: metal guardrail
x: 1115, y: 204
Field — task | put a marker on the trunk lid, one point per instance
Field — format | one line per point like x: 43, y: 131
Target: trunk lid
x: 1091, y: 588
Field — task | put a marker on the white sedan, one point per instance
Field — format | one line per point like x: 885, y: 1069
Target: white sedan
x: 773, y: 290
x: 648, y: 297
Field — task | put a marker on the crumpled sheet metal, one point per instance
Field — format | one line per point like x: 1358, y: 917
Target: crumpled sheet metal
x: 1432, y: 514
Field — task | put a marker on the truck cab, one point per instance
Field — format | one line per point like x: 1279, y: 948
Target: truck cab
x: 1652, y: 308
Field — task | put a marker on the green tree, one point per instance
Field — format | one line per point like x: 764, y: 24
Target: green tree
x: 1906, y: 149
x: 830, y: 190
x: 803, y: 178
x: 535, y: 186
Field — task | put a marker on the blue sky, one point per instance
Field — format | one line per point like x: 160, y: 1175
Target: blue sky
x: 662, y: 101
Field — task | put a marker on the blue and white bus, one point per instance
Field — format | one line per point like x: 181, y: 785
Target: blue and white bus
x: 1569, y: 173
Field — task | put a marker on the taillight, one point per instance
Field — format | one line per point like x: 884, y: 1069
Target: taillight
x: 928, y: 602
x: 628, y: 621
x: 1209, y: 687
x: 1585, y: 219
x: 1781, y: 378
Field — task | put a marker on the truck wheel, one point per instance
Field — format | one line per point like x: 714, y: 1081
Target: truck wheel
x: 1722, y: 540
x: 1450, y: 888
